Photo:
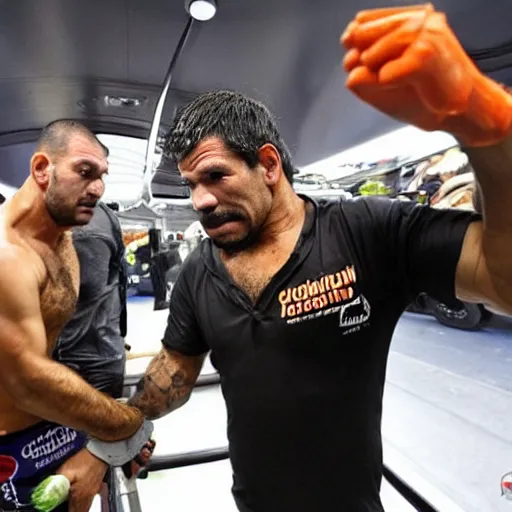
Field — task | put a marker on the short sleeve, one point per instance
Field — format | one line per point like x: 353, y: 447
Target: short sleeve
x: 423, y: 244
x: 182, y: 332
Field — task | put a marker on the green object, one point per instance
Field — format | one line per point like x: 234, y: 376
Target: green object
x: 50, y: 493
x: 422, y: 197
x: 131, y: 258
x: 373, y: 188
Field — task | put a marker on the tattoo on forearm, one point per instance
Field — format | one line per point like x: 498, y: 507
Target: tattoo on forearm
x: 164, y: 387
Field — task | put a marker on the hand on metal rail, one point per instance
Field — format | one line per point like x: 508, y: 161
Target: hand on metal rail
x: 134, y: 467
x: 118, y: 453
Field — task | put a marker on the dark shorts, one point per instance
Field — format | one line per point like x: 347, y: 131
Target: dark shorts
x: 28, y: 456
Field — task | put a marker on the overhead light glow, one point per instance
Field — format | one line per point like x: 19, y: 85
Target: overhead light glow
x: 201, y: 10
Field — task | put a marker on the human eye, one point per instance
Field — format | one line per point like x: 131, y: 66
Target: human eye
x: 84, y: 171
x: 215, y: 176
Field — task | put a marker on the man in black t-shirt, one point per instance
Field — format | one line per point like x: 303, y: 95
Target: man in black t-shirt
x: 297, y: 300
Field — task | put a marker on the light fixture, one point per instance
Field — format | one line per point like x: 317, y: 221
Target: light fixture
x: 201, y: 10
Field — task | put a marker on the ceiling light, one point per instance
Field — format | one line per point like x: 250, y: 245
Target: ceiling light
x: 201, y: 10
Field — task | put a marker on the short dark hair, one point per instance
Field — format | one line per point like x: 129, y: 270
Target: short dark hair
x: 55, y: 136
x: 242, y: 123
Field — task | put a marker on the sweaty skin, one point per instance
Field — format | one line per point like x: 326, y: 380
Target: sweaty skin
x: 55, y: 273
x: 39, y: 279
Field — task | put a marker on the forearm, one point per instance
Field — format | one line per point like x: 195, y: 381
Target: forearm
x: 493, y: 170
x: 167, y: 384
x: 54, y: 392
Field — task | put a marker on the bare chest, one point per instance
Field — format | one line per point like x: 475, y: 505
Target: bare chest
x: 253, y: 272
x: 60, y: 290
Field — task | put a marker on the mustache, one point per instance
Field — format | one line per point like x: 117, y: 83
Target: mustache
x: 215, y: 219
x: 88, y: 203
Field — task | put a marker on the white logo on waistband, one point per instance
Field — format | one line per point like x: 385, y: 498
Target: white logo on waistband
x: 49, y: 443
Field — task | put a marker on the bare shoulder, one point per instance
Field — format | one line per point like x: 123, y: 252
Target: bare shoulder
x: 17, y: 255
x: 18, y: 267
x: 19, y: 263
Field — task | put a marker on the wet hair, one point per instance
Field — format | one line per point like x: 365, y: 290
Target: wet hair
x: 55, y: 136
x: 243, y: 124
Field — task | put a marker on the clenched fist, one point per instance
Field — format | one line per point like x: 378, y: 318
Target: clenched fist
x: 408, y: 63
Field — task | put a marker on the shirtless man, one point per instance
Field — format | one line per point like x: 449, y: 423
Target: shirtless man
x: 39, y: 279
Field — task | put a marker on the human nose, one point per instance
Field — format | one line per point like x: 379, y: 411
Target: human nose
x: 202, y: 199
x: 96, y: 188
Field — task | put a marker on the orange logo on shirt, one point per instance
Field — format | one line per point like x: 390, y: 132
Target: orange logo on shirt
x: 316, y: 295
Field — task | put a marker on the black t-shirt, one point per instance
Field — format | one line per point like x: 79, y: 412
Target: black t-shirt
x: 303, y: 370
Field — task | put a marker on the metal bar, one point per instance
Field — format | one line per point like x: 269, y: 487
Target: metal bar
x: 207, y: 379
x: 417, y: 501
x: 165, y: 462
x: 113, y: 501
x: 130, y: 493
x: 180, y: 460
x: 157, y: 117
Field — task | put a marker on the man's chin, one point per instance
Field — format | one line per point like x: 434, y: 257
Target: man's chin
x: 232, y: 246
x: 79, y: 220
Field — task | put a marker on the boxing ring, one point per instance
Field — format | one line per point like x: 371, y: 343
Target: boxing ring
x: 123, y: 494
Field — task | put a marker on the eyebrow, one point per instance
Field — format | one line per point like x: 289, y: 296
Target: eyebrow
x: 206, y: 170
x: 92, y: 163
x: 212, y: 168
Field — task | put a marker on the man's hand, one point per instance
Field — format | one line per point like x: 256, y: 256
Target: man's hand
x: 85, y: 473
x: 132, y: 469
x: 407, y: 63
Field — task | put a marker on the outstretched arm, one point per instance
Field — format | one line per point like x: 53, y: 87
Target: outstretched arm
x: 37, y: 384
x: 167, y: 383
x: 409, y: 64
x: 484, y: 273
